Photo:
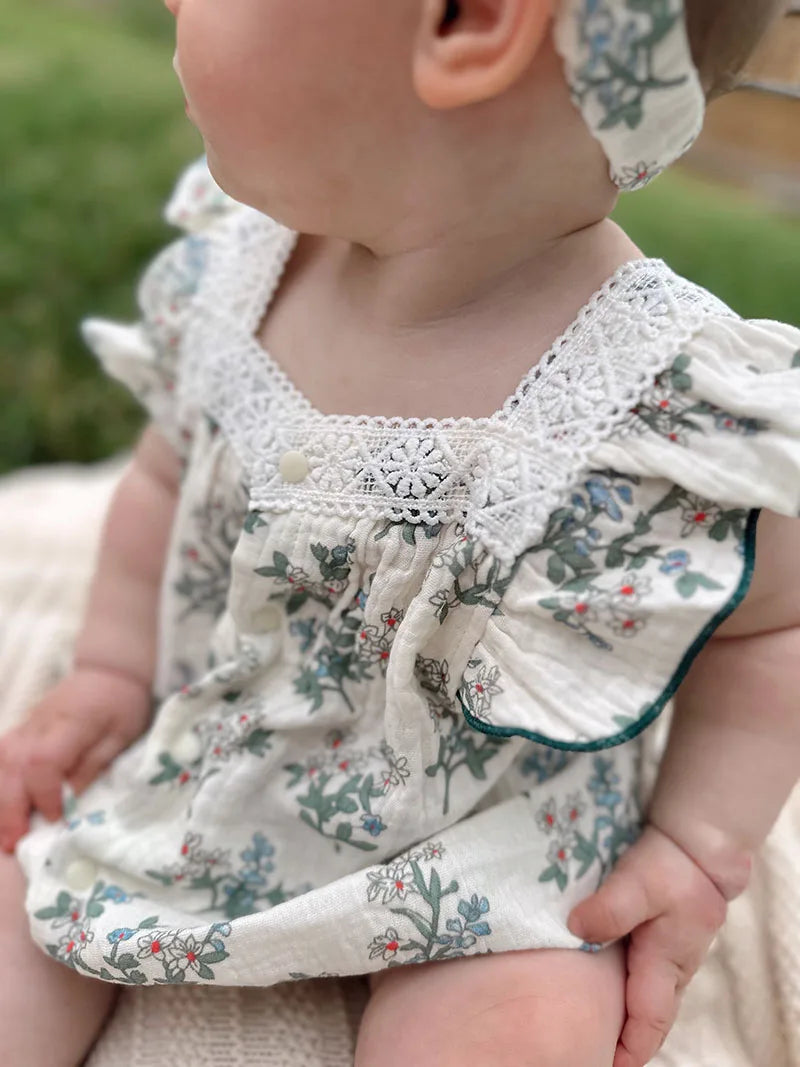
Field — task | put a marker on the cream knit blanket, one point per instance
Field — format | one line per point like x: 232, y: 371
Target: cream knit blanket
x: 742, y: 1010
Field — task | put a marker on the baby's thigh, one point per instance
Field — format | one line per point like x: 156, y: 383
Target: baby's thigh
x: 547, y: 1007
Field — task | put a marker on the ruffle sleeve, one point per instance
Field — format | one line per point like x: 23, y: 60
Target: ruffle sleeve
x: 145, y: 356
x: 652, y: 547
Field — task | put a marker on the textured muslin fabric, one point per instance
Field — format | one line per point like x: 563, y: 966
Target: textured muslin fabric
x: 406, y: 666
x: 742, y: 1009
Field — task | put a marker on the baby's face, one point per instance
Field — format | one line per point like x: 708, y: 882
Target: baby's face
x: 291, y: 96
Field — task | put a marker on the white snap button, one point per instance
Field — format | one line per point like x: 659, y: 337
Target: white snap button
x: 187, y: 748
x: 81, y: 875
x: 268, y: 618
x: 293, y: 467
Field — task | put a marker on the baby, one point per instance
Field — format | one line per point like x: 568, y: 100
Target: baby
x: 361, y: 690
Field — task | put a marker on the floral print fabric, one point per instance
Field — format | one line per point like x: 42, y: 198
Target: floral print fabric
x: 376, y: 742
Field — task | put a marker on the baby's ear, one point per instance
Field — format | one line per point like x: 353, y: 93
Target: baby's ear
x: 472, y: 50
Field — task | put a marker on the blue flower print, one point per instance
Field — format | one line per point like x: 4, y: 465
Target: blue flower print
x: 602, y: 783
x: 373, y: 824
x: 601, y: 498
x: 543, y: 763
x: 675, y: 562
x: 115, y: 894
x: 122, y: 933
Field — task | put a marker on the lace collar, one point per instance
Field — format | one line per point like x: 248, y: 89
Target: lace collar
x: 501, y: 475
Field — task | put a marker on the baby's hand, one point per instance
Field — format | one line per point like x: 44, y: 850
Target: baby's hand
x: 671, y: 909
x: 70, y: 736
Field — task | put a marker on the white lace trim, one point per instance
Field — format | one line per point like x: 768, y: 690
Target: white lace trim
x: 501, y: 475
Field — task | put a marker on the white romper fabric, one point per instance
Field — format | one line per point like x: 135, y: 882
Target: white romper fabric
x: 405, y: 664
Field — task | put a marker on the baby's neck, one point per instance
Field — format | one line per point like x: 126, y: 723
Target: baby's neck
x: 457, y: 282
x: 441, y: 331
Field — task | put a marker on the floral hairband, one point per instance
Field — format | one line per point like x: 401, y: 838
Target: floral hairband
x: 630, y: 71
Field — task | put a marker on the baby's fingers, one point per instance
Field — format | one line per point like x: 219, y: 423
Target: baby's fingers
x: 654, y: 985
x: 95, y: 761
x: 620, y: 905
x: 15, y: 804
x: 52, y: 759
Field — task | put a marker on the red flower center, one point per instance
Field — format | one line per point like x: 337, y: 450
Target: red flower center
x: 399, y: 886
x: 184, y: 777
x: 562, y: 854
x: 75, y: 916
x: 155, y: 947
x: 479, y: 688
x: 664, y: 404
x: 550, y: 819
x: 190, y: 956
x: 700, y: 516
x: 391, y: 622
x: 627, y: 590
x: 70, y: 946
x: 344, y: 765
x: 392, y: 946
x: 184, y: 850
x: 581, y: 609
x: 628, y: 624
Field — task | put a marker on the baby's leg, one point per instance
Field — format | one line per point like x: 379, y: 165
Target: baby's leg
x: 49, y: 1015
x: 543, y: 1008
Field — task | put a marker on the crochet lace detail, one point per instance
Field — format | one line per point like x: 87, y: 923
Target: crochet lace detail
x: 501, y: 475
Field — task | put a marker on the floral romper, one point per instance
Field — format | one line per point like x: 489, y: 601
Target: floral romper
x: 405, y: 663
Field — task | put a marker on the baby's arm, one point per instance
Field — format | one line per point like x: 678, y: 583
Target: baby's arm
x: 105, y: 702
x: 733, y: 758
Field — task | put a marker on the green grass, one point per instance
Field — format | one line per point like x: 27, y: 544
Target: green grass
x: 92, y: 136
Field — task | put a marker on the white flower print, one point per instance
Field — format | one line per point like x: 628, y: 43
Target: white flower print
x: 392, y: 618
x: 392, y: 882
x: 560, y: 851
x: 154, y: 944
x: 458, y: 555
x: 630, y: 590
x: 385, y: 945
x: 572, y: 809
x: 634, y: 177
x: 294, y: 576
x: 182, y: 956
x: 397, y: 770
x: 547, y: 816
x: 582, y: 608
x: 628, y: 625
x: 698, y: 514
x: 71, y: 916
x: 67, y: 947
x: 433, y: 850
x: 479, y: 691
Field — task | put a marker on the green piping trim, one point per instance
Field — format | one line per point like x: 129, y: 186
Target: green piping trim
x: 658, y: 706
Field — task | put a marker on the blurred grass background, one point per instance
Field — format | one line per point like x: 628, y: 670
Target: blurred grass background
x: 92, y: 137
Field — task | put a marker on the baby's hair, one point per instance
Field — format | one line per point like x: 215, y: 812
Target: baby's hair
x: 724, y: 34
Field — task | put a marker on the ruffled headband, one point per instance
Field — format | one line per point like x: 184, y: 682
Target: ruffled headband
x: 630, y: 71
